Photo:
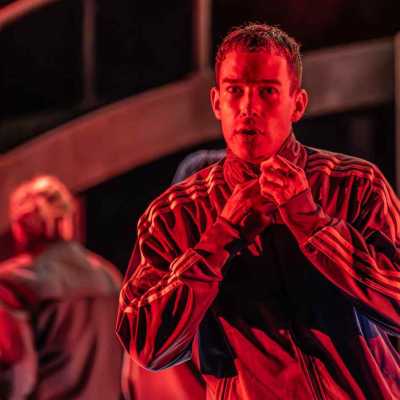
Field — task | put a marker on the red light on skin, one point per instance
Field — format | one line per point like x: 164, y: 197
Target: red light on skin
x: 255, y: 94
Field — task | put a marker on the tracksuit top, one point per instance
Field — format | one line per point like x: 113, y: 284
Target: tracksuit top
x: 302, y: 312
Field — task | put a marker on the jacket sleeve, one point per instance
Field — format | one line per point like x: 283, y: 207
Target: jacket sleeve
x: 18, y: 358
x: 168, y: 288
x: 362, y: 257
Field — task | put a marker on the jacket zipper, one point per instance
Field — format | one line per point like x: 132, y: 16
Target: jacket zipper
x: 309, y: 370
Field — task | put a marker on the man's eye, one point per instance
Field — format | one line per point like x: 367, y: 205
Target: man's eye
x: 268, y: 91
x: 234, y: 90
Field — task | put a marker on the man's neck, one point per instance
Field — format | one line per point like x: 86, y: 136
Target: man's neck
x: 238, y: 171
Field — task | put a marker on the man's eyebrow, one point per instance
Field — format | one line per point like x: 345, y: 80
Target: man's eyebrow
x: 231, y: 80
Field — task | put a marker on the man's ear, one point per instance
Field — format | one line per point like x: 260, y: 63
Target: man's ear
x: 301, y: 101
x: 215, y: 104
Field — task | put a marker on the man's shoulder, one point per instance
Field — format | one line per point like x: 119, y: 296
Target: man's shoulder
x: 68, y: 270
x: 64, y: 270
x: 193, y: 190
x: 340, y: 165
x: 99, y: 263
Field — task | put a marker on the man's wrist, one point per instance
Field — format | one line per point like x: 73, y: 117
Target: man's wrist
x: 219, y: 242
x: 303, y: 216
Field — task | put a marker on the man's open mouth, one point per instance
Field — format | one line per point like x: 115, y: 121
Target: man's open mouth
x: 248, y: 132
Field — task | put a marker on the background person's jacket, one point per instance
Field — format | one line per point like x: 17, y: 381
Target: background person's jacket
x: 301, y: 313
x: 60, y: 307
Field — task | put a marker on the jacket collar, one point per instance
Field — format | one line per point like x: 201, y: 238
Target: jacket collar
x: 237, y: 171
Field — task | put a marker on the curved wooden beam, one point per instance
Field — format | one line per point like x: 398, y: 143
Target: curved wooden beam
x: 19, y: 9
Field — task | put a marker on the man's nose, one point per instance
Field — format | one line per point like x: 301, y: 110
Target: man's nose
x: 247, y: 106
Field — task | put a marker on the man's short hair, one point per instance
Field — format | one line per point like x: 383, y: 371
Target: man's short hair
x: 254, y: 37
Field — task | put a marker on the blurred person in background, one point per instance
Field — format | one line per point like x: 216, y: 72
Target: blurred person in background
x: 275, y: 270
x: 57, y: 304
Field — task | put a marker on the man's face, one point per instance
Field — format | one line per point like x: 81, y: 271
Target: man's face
x: 254, y: 103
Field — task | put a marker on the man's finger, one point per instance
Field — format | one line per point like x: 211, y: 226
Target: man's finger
x: 244, y: 186
x: 278, y: 163
x: 275, y: 180
x: 284, y: 161
x: 283, y: 174
x: 248, y: 189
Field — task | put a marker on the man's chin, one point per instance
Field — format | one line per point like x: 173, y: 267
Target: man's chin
x: 251, y: 157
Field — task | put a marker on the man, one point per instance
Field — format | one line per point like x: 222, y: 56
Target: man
x: 57, y: 304
x: 277, y: 269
